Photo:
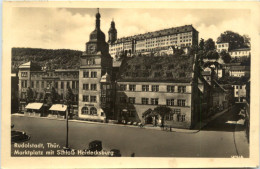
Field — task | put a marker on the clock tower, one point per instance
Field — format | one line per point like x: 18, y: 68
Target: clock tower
x: 97, y: 42
x: 95, y: 62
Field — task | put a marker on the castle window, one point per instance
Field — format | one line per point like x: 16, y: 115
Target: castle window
x: 154, y: 101
x: 145, y: 88
x: 93, y: 111
x: 170, y: 89
x: 181, y: 102
x: 93, y: 99
x: 155, y: 88
x: 85, y: 86
x: 145, y: 100
x: 85, y: 98
x: 93, y: 74
x: 24, y: 74
x: 170, y: 102
x: 84, y: 110
x: 85, y: 74
x: 93, y: 86
x: 132, y: 87
x: 181, y: 89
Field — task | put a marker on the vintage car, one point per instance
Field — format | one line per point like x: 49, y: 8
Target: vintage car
x: 19, y: 136
x: 95, y: 145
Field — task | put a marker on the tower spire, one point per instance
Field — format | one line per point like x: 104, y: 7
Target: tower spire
x: 98, y: 16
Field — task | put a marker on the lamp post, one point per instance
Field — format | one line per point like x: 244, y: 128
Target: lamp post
x: 67, y: 129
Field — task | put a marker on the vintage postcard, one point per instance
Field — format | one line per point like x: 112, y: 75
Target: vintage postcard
x: 130, y: 84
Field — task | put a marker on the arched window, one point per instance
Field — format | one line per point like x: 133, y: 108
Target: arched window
x: 84, y: 110
x: 93, y: 111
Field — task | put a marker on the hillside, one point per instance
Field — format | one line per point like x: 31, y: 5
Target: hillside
x: 59, y: 58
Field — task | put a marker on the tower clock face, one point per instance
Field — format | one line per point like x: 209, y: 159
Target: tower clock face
x: 92, y: 49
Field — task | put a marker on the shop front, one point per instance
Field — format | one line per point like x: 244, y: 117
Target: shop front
x: 33, y: 109
x: 58, y: 111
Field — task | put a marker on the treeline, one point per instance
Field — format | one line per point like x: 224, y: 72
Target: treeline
x: 56, y: 58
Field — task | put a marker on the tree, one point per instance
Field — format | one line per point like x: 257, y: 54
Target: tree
x: 225, y: 56
x: 247, y: 40
x: 201, y: 44
x: 212, y: 55
x: 53, y: 95
x: 209, y: 45
x: 234, y: 39
x: 162, y: 111
x: 193, y: 50
x: 29, y: 95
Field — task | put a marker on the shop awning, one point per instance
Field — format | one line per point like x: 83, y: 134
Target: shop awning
x: 35, y: 106
x: 58, y: 107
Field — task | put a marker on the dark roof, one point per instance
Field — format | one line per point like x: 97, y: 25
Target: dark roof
x: 173, y: 69
x: 233, y: 80
x: 238, y: 68
x: 169, y: 31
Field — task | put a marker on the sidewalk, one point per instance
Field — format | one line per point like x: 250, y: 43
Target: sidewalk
x: 196, y: 129
x: 240, y: 139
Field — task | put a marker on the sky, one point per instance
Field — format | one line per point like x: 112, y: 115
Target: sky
x: 69, y: 28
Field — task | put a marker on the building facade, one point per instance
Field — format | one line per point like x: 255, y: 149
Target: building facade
x: 178, y: 37
x: 95, y: 88
x: 148, y: 82
x: 240, y: 53
x: 44, y: 84
x: 239, y: 71
x: 222, y: 47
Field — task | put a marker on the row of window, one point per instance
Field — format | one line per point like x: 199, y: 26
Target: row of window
x: 90, y: 61
x: 153, y: 101
x: 24, y: 74
x: 92, y: 74
x: 36, y: 84
x: 51, y: 74
x: 170, y: 117
x: 87, y: 98
x: 92, y: 87
x: 62, y: 96
x: 87, y: 111
x: 154, y: 88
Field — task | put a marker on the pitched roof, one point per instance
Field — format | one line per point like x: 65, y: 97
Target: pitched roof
x: 25, y: 65
x: 240, y: 49
x: 169, y: 31
x: 176, y: 69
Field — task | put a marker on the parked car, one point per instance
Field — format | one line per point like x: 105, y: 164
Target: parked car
x: 95, y: 145
x: 116, y: 153
x: 19, y: 136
